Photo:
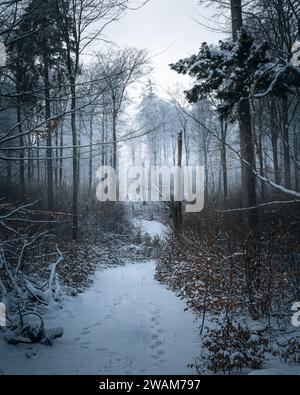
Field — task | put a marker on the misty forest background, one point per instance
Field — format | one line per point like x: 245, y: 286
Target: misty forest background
x: 61, y: 117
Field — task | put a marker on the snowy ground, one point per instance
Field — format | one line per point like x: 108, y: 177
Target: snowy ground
x: 126, y: 323
x: 151, y: 228
x: 280, y: 371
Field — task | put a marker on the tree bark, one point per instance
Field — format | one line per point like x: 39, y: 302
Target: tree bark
x: 74, y: 160
x: 91, y: 155
x: 286, y: 143
x: 114, y: 135
x: 274, y: 139
x: 247, y: 154
x: 38, y: 160
x: 258, y: 132
x: 236, y: 16
x: 61, y: 155
x: 246, y: 134
x: 224, y: 160
x: 49, y: 136
x: 296, y: 154
x: 177, y: 215
x: 21, y: 140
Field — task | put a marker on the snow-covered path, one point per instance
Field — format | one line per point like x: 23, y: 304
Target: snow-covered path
x: 126, y: 323
x: 151, y: 228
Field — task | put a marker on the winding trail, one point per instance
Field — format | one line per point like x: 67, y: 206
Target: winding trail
x: 126, y: 323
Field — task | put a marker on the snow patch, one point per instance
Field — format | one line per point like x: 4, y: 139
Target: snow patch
x: 151, y: 228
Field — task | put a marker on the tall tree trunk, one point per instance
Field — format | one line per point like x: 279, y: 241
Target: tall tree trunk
x: 174, y: 151
x: 74, y: 160
x: 236, y: 17
x: 79, y: 149
x: 9, y: 171
x: 206, y: 171
x: 103, y: 147
x: 21, y: 140
x: 286, y: 143
x: 246, y: 137
x: 29, y: 165
x: 247, y: 154
x: 296, y: 154
x: 177, y: 212
x: 224, y: 160
x: 49, y: 160
x: 56, y: 159
x: 274, y: 140
x: 114, y: 133
x: 257, y: 133
x: 38, y: 160
x: 61, y: 155
x: 91, y: 156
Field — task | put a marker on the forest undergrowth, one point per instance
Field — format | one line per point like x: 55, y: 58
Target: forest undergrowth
x: 242, y: 286
x: 41, y: 264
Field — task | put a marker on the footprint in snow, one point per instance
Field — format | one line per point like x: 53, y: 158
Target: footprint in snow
x: 157, y: 344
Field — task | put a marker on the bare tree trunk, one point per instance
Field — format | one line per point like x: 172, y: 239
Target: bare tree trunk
x: 224, y: 159
x: 79, y: 149
x: 74, y: 160
x: 173, y: 150
x: 20, y: 131
x: 164, y: 147
x: 236, y: 17
x: 103, y: 153
x: 114, y: 135
x: 49, y: 160
x: 56, y: 160
x: 247, y: 154
x: 257, y: 132
x: 296, y: 154
x: 38, y: 160
x: 246, y: 137
x: 29, y: 164
x: 91, y: 155
x: 206, y: 170
x: 286, y: 143
x: 9, y: 172
x: 61, y: 155
x: 274, y: 139
x: 177, y: 214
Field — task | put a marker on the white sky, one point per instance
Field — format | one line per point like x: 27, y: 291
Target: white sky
x: 167, y: 29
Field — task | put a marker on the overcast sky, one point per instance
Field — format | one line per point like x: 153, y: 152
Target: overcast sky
x: 167, y: 29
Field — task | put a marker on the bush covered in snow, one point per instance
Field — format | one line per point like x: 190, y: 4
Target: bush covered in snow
x: 232, y: 346
x: 24, y: 243
x: 289, y: 350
